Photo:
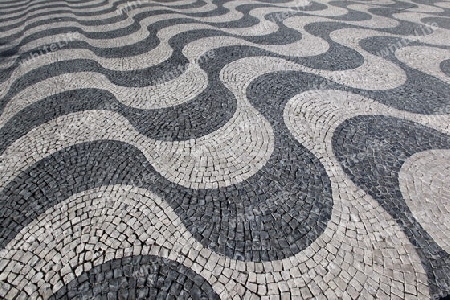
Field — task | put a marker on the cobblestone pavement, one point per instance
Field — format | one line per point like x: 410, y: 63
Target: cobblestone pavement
x: 217, y: 149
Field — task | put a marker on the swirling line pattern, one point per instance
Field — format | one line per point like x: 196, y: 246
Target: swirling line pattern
x: 225, y: 149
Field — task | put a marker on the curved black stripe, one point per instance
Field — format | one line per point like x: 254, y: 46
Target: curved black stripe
x: 137, y: 277
x: 445, y: 67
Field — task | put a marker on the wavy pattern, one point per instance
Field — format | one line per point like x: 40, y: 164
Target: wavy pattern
x: 224, y: 149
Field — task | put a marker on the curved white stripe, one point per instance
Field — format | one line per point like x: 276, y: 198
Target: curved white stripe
x: 425, y: 8
x: 425, y: 184
x: 233, y: 157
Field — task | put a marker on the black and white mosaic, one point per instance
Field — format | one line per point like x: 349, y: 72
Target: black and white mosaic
x: 224, y: 149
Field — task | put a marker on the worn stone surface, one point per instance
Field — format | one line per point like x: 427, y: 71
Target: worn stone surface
x: 224, y: 149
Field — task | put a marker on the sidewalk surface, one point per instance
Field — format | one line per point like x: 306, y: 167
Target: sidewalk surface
x: 216, y: 149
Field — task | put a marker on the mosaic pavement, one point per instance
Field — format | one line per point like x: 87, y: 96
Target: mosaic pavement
x: 198, y: 149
